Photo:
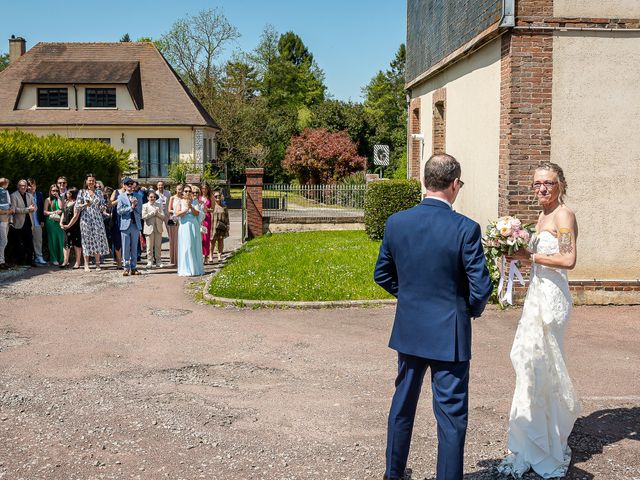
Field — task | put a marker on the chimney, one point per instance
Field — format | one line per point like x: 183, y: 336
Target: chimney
x: 17, y: 47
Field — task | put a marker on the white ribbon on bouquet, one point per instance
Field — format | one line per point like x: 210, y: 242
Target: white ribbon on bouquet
x: 507, y: 296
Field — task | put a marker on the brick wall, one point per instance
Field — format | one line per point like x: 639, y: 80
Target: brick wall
x: 525, y: 118
x: 254, y: 201
x: 438, y: 135
x: 415, y: 146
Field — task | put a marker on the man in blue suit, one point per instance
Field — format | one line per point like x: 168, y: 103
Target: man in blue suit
x: 431, y: 260
x: 130, y: 211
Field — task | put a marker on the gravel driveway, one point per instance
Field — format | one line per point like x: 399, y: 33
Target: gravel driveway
x: 106, y: 377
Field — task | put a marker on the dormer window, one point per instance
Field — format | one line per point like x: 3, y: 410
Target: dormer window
x: 53, y: 97
x: 100, y: 98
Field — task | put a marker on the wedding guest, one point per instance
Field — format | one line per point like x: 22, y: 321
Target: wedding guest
x: 140, y: 195
x: 153, y: 216
x: 90, y: 202
x: 220, y: 228
x: 55, y: 234
x: 205, y: 200
x: 20, y: 235
x: 163, y: 198
x: 62, y: 186
x: 71, y: 227
x: 5, y: 216
x: 130, y: 211
x: 116, y: 236
x: 189, y: 238
x: 38, y: 220
x: 107, y: 217
x: 172, y: 229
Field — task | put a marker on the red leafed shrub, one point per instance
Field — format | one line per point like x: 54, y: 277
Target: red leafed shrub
x: 320, y: 157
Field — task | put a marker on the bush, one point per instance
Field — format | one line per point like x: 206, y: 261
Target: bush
x: 24, y: 155
x: 320, y: 157
x: 386, y: 197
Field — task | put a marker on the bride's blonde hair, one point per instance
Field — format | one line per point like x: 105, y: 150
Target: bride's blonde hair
x: 557, y: 169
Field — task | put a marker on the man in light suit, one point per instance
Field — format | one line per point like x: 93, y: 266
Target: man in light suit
x: 153, y: 216
x: 431, y: 259
x: 130, y: 210
x: 163, y: 199
x: 21, y: 234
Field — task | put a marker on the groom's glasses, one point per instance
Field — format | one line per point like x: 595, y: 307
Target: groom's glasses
x: 548, y: 185
x: 461, y: 183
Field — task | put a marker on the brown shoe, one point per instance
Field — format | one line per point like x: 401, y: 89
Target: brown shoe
x: 135, y: 272
x: 126, y: 273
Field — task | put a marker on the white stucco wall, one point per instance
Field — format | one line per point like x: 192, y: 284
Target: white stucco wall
x: 595, y: 125
x: 597, y: 9
x: 472, y: 127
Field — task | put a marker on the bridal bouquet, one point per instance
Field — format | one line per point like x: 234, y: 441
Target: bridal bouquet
x: 505, y: 236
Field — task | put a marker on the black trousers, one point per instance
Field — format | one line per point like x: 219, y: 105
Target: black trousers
x: 21, y: 245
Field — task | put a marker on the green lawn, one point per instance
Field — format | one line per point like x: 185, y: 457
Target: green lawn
x: 305, y: 266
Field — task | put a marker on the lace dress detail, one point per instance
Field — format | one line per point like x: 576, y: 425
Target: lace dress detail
x: 544, y: 406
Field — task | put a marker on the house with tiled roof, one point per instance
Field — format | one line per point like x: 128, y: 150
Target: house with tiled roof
x: 124, y: 94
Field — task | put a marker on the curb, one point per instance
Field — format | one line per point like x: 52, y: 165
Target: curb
x: 240, y: 302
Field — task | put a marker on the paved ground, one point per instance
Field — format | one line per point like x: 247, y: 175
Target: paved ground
x: 106, y: 377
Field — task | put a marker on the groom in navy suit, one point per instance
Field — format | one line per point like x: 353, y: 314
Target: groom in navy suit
x: 431, y: 260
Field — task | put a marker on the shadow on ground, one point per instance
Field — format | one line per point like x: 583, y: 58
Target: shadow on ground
x: 591, y: 434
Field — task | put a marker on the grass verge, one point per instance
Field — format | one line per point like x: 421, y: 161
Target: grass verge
x: 305, y: 266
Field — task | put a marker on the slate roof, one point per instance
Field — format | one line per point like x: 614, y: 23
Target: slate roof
x: 159, y: 93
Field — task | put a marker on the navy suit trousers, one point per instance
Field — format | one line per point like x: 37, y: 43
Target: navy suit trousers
x: 449, y: 385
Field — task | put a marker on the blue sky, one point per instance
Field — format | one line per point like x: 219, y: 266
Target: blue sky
x: 350, y: 39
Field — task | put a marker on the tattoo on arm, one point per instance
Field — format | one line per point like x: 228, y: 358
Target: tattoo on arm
x: 564, y: 241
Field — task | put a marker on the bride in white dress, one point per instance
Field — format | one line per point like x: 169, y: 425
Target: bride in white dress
x: 545, y: 405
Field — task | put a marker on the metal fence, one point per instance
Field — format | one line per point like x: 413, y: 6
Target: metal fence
x: 321, y: 202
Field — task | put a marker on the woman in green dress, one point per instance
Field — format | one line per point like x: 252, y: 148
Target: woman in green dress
x: 55, y: 235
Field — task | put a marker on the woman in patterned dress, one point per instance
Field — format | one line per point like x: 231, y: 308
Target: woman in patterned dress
x: 91, y: 203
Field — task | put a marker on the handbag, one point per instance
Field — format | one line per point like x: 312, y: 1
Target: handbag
x: 221, y: 228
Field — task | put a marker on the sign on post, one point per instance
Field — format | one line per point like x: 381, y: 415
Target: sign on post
x: 193, y: 177
x: 381, y: 156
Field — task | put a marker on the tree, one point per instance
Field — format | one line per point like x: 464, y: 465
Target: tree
x: 386, y: 108
x: 192, y: 46
x: 320, y: 157
x: 337, y: 116
x: 125, y: 38
x: 4, y: 61
x: 291, y: 78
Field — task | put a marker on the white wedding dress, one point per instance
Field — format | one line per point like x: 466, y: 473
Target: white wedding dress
x: 545, y: 405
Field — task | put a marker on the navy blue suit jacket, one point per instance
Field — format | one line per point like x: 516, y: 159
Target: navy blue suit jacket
x: 431, y: 259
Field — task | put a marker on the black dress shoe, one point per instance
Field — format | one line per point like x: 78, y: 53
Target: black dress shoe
x: 406, y: 476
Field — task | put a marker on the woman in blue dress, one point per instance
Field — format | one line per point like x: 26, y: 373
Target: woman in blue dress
x: 188, y: 211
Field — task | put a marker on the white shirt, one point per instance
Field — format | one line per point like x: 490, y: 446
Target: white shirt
x: 441, y: 200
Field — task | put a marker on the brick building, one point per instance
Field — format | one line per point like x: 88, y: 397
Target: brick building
x: 506, y: 84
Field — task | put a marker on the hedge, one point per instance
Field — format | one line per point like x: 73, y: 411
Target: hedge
x: 25, y: 155
x: 384, y: 198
